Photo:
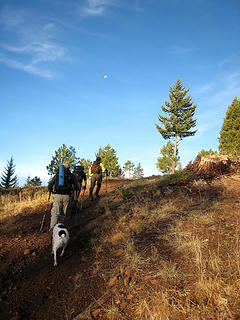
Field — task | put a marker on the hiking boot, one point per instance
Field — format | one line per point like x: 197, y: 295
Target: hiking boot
x: 97, y: 195
x: 91, y: 197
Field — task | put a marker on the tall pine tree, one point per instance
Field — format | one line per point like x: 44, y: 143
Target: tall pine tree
x: 229, y: 140
x: 9, y: 179
x: 179, y: 122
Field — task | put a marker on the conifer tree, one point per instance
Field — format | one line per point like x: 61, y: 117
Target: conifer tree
x: 97, y: 154
x: 138, y: 171
x: 179, y: 122
x: 209, y: 152
x: 86, y: 163
x: 109, y: 159
x: 229, y: 140
x: 9, y: 180
x: 34, y: 182
x: 62, y: 155
x: 128, y: 167
x: 165, y: 161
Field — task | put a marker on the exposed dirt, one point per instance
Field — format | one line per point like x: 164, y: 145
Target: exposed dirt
x: 31, y: 288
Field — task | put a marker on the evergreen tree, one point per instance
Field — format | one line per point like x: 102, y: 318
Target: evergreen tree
x: 229, y: 140
x: 128, y: 167
x: 98, y: 153
x: 62, y: 155
x: 9, y: 180
x: 165, y: 162
x: 28, y: 181
x: 109, y: 159
x: 209, y: 152
x: 34, y: 182
x: 138, y: 172
x: 180, y: 121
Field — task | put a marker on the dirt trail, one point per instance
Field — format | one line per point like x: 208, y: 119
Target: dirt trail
x: 31, y: 288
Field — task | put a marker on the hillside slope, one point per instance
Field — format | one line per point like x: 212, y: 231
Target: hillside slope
x: 155, y: 248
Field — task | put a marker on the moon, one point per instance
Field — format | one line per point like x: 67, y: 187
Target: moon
x: 105, y: 76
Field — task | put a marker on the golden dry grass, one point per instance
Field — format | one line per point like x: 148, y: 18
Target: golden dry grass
x: 195, y: 274
x: 12, y: 205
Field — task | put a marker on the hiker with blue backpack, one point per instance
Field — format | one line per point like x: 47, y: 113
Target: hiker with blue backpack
x: 64, y: 183
x: 95, y: 172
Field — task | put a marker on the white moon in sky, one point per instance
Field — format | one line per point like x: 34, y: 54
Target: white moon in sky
x: 105, y: 76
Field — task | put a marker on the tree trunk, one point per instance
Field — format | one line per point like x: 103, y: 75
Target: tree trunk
x: 174, y: 155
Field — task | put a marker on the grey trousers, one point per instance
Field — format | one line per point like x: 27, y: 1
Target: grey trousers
x: 59, y: 209
x: 96, y: 178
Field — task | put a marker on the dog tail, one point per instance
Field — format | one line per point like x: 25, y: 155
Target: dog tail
x: 62, y: 233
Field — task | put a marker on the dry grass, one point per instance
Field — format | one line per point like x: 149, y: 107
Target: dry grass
x: 114, y: 313
x: 177, y: 251
x: 29, y: 199
x: 188, y: 267
x: 118, y: 238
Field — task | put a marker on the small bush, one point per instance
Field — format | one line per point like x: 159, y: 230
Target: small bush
x: 125, y: 194
x: 175, y: 178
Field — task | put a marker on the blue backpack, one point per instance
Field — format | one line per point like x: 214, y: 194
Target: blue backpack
x: 64, y: 181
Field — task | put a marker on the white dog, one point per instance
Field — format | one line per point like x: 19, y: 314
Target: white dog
x: 60, y: 238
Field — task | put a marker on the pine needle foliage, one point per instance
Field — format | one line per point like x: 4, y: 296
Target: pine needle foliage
x: 110, y: 160
x: 34, y: 182
x: 179, y: 120
x: 128, y: 167
x: 209, y: 152
x: 165, y: 161
x: 229, y: 140
x: 62, y: 155
x: 138, y: 171
x: 9, y: 180
x: 86, y: 163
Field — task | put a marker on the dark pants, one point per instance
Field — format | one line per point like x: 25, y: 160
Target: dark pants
x: 95, y: 178
x: 76, y: 193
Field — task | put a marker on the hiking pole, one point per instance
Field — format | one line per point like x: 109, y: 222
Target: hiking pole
x: 81, y: 203
x: 106, y: 187
x: 43, y: 219
x: 77, y: 194
x: 106, y: 180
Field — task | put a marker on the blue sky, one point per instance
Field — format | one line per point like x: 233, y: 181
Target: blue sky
x: 53, y: 58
